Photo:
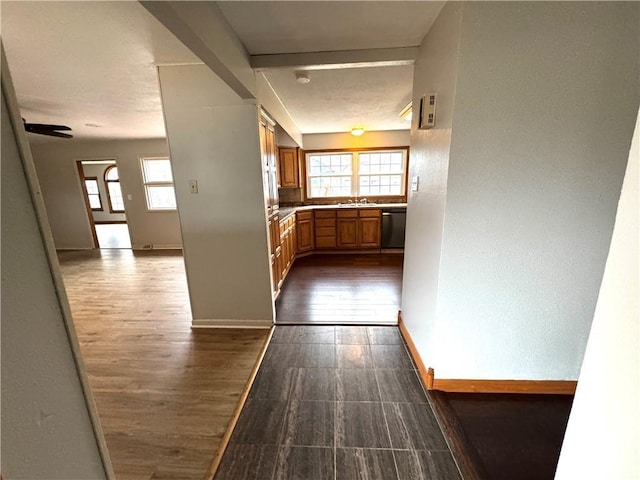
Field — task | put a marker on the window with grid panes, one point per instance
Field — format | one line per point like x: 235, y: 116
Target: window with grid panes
x: 93, y: 193
x: 374, y: 173
x: 158, y: 183
x: 114, y: 191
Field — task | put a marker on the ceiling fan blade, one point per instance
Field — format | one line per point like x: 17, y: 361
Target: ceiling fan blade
x: 46, y: 131
x: 47, y: 126
x: 53, y: 133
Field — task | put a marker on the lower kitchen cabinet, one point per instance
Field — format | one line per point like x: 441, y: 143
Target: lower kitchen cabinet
x: 274, y: 241
x: 320, y: 230
x: 304, y: 227
x: 358, y: 228
x: 325, y: 229
x: 369, y: 223
x: 288, y: 241
x: 347, y: 229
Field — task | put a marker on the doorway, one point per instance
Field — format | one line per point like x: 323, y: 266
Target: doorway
x: 100, y: 181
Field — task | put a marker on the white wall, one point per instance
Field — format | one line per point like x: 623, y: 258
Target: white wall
x: 544, y: 107
x: 46, y: 428
x: 283, y: 139
x: 435, y: 71
x: 203, y: 28
x: 388, y: 138
x: 56, y: 165
x: 214, y: 139
x: 607, y: 402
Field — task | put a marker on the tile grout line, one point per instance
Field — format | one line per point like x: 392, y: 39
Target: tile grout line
x: 279, y: 446
x: 335, y: 403
x: 384, y: 414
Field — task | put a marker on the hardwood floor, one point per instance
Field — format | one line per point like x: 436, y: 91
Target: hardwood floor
x: 165, y: 394
x: 342, y: 289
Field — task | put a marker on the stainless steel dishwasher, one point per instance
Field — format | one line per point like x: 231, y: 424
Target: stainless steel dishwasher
x: 393, y: 225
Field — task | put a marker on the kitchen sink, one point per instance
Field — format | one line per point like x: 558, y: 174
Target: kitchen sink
x: 356, y: 204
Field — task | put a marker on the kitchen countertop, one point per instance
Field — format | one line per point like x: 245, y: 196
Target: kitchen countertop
x: 286, y: 211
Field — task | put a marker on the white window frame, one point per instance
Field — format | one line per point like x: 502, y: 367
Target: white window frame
x: 110, y: 195
x: 100, y: 208
x: 146, y: 184
x: 355, y: 172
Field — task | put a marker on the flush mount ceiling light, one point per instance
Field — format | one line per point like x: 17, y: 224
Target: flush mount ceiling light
x: 356, y: 132
x: 407, y: 112
x: 302, y: 77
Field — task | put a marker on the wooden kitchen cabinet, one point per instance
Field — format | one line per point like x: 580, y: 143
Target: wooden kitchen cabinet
x: 347, y: 229
x: 358, y: 228
x: 269, y: 163
x: 289, y: 169
x: 324, y: 228
x: 275, y: 250
x: 304, y: 227
x: 369, y: 222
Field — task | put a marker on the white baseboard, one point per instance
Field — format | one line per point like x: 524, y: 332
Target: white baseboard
x: 160, y: 247
x: 222, y: 323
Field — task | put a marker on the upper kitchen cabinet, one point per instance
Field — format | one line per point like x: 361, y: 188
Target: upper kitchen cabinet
x: 289, y: 169
x: 269, y: 162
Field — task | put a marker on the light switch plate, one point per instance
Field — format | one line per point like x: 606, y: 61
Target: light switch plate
x: 415, y: 183
x: 193, y: 186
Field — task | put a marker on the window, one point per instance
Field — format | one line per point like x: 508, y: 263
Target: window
x: 114, y: 192
x: 158, y: 184
x: 374, y: 173
x: 93, y: 193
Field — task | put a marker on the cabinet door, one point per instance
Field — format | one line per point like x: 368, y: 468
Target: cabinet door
x: 347, y: 233
x: 288, y: 161
x: 305, y: 235
x: 294, y: 241
x: 273, y: 169
x: 370, y: 232
x: 266, y: 167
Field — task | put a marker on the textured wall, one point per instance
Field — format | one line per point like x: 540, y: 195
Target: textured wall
x: 214, y: 139
x: 435, y: 71
x: 607, y: 402
x: 546, y: 101
x: 535, y: 142
x: 56, y: 165
x: 46, y: 429
x: 389, y: 138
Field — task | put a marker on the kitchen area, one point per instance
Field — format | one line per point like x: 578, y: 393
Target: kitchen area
x: 346, y: 208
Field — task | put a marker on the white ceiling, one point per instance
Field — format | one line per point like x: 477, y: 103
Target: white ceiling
x: 359, y: 97
x: 336, y: 100
x: 311, y: 26
x: 78, y: 63
x: 75, y: 63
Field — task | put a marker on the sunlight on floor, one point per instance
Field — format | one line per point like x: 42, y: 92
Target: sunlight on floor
x: 113, y: 235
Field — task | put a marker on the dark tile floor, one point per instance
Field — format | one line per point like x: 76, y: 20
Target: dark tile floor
x: 337, y: 403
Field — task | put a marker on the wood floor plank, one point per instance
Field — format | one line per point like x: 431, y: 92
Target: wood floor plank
x: 165, y: 393
x: 342, y: 289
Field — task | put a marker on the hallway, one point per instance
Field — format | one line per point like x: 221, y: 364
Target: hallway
x: 340, y: 403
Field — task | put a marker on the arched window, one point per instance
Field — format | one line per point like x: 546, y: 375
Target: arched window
x: 114, y: 192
